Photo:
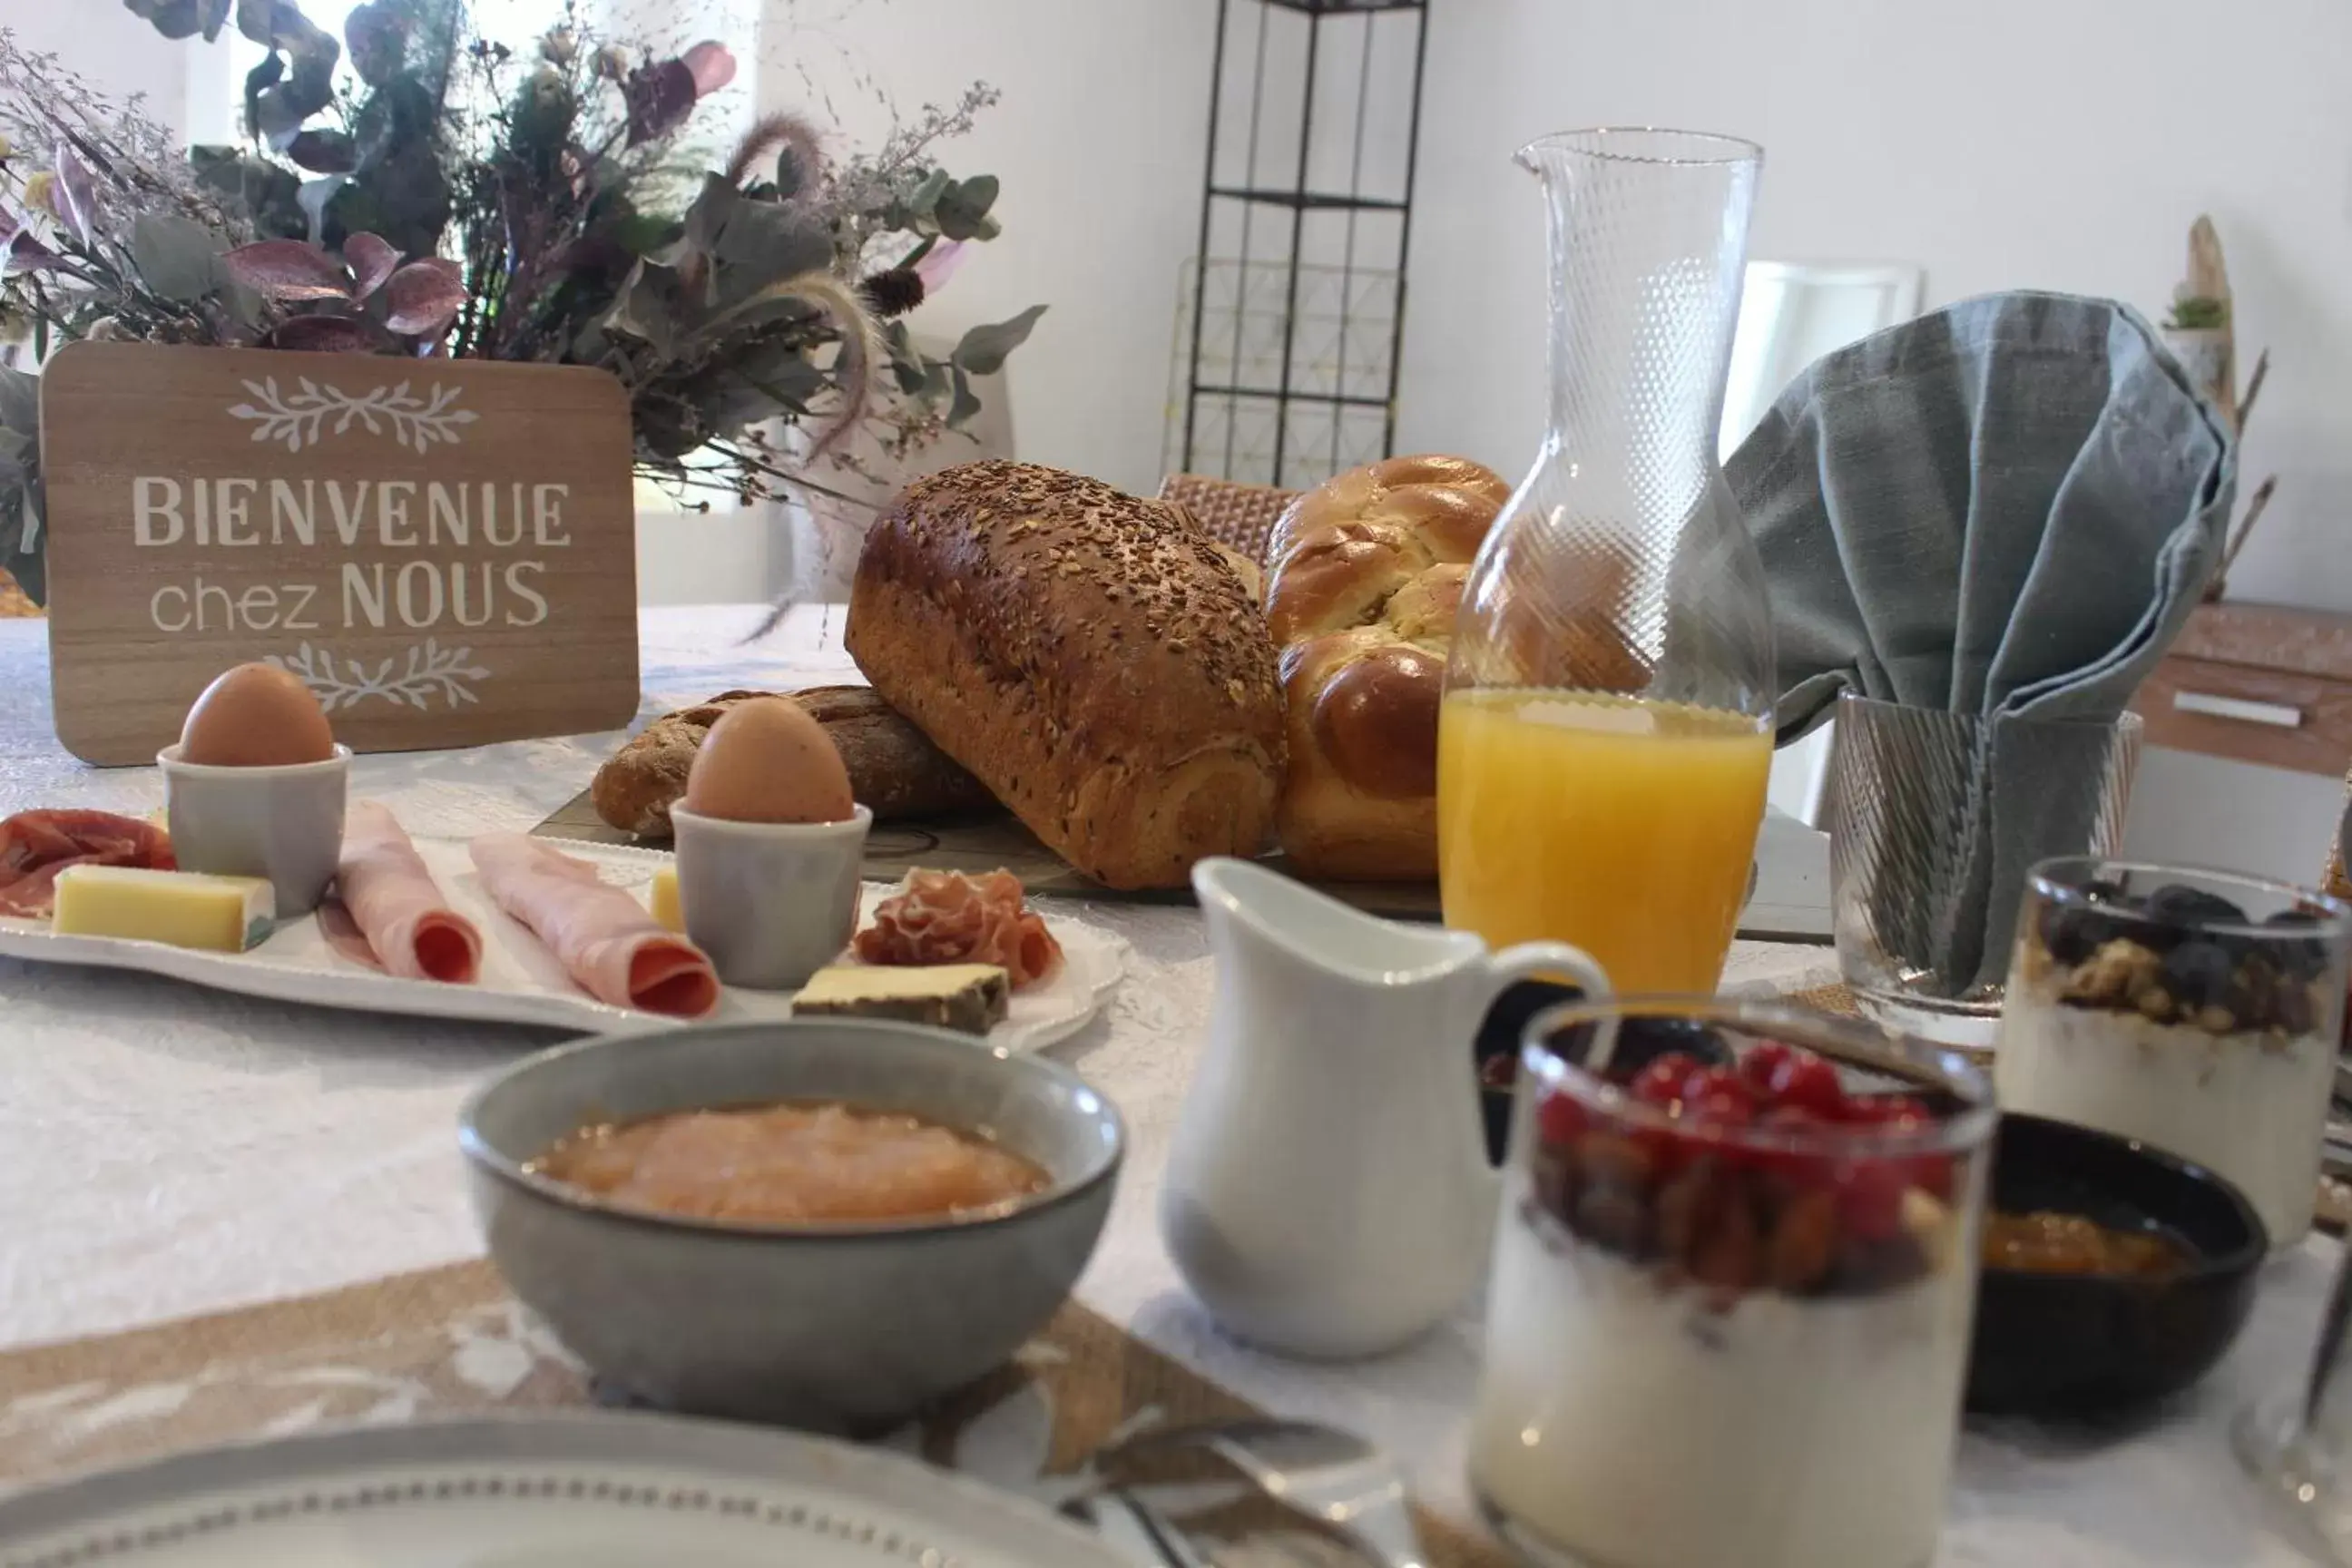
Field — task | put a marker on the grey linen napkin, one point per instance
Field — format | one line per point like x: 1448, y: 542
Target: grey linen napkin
x: 2005, y: 509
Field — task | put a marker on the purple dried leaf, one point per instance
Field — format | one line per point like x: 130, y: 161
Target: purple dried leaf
x: 74, y: 196
x: 323, y: 152
x: 9, y: 223
x: 27, y: 254
x: 711, y: 66
x: 660, y: 97
x: 323, y: 334
x: 373, y: 260
x: 286, y: 269
x: 939, y: 265
x: 424, y: 297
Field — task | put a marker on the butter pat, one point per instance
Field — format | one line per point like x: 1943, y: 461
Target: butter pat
x: 663, y: 901
x: 217, y: 914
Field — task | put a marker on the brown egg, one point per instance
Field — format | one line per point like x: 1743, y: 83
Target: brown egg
x: 767, y: 761
x: 256, y: 716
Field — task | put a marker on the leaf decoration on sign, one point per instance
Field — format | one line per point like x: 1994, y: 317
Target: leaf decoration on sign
x: 429, y: 672
x: 300, y: 417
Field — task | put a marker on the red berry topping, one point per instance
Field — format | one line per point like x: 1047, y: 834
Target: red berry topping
x: 1809, y: 1083
x: 1797, y: 1169
x: 1559, y: 1118
x: 1870, y: 1198
x: 1897, y: 1114
x: 1718, y: 1086
x: 1900, y: 1115
x: 1721, y: 1108
x: 1661, y: 1083
x: 1762, y: 1060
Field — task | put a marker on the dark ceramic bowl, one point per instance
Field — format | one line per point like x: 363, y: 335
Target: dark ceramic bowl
x: 2084, y: 1345
x: 837, y: 1327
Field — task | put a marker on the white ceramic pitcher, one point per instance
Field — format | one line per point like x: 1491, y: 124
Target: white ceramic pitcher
x: 1329, y: 1194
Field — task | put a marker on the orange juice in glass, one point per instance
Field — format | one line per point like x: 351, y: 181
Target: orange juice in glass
x: 1623, y: 825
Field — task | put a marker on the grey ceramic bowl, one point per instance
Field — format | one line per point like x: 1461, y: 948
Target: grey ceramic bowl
x: 837, y: 1327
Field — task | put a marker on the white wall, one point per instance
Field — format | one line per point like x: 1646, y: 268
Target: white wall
x: 113, y: 51
x: 1999, y: 144
x: 1098, y: 142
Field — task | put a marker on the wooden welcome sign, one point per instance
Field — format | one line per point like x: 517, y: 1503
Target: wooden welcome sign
x: 444, y: 550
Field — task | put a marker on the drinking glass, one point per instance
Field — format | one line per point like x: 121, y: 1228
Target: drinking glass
x: 1720, y: 1339
x: 1606, y: 730
x: 1934, y: 818
x: 2198, y: 1011
x: 2297, y: 1443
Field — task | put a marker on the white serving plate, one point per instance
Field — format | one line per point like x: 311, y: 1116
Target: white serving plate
x: 541, y: 1492
x: 521, y: 982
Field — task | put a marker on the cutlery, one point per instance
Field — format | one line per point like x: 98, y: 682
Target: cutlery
x: 1134, y: 1527
x: 1332, y: 1477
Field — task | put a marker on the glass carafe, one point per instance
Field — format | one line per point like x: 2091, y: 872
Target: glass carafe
x: 1607, y: 729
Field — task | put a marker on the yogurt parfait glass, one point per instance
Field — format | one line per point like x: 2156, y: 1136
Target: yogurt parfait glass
x: 1728, y: 1318
x: 2198, y: 1011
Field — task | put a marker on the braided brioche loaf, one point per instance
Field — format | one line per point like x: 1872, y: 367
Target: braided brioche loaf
x: 1363, y: 576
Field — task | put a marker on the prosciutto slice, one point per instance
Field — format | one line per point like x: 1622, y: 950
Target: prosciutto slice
x: 35, y: 846
x: 945, y: 917
x: 602, y: 937
x: 408, y: 928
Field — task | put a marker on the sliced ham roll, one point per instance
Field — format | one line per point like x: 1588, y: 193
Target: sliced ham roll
x: 602, y: 937
x: 409, y: 928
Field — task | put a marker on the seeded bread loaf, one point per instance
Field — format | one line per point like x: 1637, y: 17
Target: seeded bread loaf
x: 1089, y: 656
x: 894, y: 772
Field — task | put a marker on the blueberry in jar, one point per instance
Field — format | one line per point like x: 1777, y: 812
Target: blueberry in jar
x: 2073, y: 931
x: 2178, y: 904
x: 2200, y: 974
x: 2302, y: 960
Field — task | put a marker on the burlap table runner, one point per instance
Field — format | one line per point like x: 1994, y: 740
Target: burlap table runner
x: 452, y: 1341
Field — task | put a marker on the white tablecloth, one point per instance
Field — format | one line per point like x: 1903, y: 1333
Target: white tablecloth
x: 166, y: 1150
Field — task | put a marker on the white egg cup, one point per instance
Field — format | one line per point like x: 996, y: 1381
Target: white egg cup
x: 284, y: 824
x: 771, y: 902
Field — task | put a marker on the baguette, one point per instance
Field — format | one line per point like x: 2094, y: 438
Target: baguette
x: 1089, y: 656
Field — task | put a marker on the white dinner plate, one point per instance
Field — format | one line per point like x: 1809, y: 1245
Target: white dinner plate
x: 520, y: 982
x: 541, y: 1492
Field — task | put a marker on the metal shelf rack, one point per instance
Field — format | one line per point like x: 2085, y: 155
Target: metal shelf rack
x: 1291, y: 314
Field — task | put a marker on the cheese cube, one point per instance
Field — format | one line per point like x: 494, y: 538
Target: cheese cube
x: 219, y: 914
x: 967, y: 998
x: 664, y: 900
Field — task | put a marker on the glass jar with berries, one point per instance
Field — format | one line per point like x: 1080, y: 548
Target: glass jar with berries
x: 2198, y: 1011
x: 1734, y: 1272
